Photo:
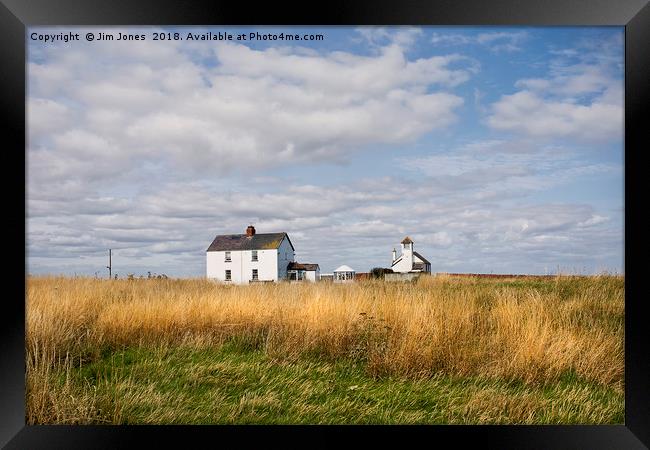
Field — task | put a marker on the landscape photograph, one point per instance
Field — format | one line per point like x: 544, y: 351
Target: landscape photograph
x: 325, y: 225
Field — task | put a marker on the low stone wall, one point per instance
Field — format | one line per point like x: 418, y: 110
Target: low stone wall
x: 401, y: 276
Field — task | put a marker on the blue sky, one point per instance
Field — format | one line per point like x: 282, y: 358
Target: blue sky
x: 496, y: 149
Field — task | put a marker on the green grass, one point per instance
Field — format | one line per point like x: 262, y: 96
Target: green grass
x: 236, y: 384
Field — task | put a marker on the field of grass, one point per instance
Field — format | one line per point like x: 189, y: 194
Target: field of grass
x: 441, y: 350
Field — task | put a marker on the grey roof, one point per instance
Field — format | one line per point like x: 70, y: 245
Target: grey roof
x: 301, y: 266
x: 424, y: 260
x: 259, y: 241
x: 421, y: 257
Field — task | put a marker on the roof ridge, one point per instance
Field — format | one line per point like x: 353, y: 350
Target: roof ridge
x: 241, y: 242
x: 256, y: 234
x: 421, y: 257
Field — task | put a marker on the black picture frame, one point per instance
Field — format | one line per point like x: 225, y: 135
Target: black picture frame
x: 16, y: 15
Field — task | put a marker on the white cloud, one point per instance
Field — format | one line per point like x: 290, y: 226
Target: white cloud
x: 503, y: 41
x: 378, y: 36
x: 354, y: 223
x: 440, y: 239
x: 452, y: 39
x: 528, y: 113
x: 581, y: 98
x: 253, y: 109
x: 46, y: 116
x: 504, y: 168
x: 495, y: 41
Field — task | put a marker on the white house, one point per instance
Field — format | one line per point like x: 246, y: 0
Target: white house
x: 409, y: 260
x: 303, y: 271
x: 242, y: 258
x: 344, y: 274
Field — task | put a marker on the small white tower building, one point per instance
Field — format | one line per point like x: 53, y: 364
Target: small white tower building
x: 410, y: 260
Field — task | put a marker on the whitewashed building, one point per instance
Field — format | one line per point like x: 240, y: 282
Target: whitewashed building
x: 303, y: 272
x: 344, y: 274
x: 249, y: 257
x: 410, y: 260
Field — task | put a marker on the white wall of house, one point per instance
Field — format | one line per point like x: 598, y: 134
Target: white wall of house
x: 241, y: 265
x: 312, y: 275
x: 419, y: 260
x: 406, y: 263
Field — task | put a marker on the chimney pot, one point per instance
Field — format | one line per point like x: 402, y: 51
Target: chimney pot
x: 250, y: 230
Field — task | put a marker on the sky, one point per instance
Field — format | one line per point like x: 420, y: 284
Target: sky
x: 496, y: 149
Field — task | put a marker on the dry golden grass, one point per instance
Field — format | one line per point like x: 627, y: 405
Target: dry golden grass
x: 535, y: 332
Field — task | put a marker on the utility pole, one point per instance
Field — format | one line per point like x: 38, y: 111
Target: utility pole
x: 110, y: 265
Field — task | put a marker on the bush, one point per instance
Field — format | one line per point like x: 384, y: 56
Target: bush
x: 379, y: 272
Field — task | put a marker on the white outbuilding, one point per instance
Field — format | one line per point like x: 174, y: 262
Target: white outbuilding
x: 303, y: 272
x: 409, y: 261
x: 344, y: 274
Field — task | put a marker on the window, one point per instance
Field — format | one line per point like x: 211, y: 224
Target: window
x: 296, y: 275
x: 228, y: 257
x: 254, y: 255
x: 255, y: 275
x: 228, y: 276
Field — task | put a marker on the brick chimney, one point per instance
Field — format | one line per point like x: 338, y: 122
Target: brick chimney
x: 250, y: 230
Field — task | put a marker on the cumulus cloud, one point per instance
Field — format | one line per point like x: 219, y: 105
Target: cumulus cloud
x: 252, y: 109
x: 532, y: 114
x: 581, y: 98
x: 353, y: 223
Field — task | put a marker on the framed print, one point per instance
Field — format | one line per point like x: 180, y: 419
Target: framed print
x: 408, y: 221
